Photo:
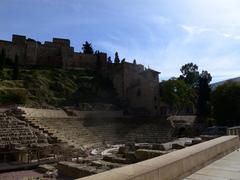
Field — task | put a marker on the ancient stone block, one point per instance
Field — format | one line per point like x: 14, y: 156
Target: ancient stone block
x: 131, y: 146
x: 144, y: 154
x: 158, y: 147
x: 177, y: 146
x: 114, y: 159
x: 45, y: 168
x: 97, y: 163
x: 188, y: 143
x: 143, y: 146
x: 130, y: 156
x: 123, y: 149
x: 75, y: 170
x: 196, y: 141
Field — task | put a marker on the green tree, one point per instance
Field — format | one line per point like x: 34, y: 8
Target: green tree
x: 123, y: 61
x: 87, y: 48
x: 15, y: 73
x: 109, y: 60
x: 134, y: 62
x: 177, y: 94
x: 207, y: 76
x: 226, y: 104
x: 204, y: 90
x: 116, y: 59
x: 200, y: 82
x: 190, y: 74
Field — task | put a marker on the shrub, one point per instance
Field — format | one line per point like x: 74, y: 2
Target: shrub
x: 13, y: 95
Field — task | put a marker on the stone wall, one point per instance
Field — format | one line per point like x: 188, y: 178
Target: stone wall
x: 7, y: 46
x: 137, y: 87
x: 48, y: 55
x: 57, y: 53
x: 84, y: 60
x: 31, y: 52
x: 43, y: 113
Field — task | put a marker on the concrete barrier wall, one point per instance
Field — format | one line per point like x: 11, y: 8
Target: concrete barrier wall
x: 175, y: 165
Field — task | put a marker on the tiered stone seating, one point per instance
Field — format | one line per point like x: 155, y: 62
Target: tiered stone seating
x: 75, y: 132
x: 79, y: 132
x: 67, y: 130
x: 150, y: 133
x: 124, y: 132
x: 15, y: 131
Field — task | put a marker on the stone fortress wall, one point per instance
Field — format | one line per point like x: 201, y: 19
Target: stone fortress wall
x: 139, y: 87
x: 136, y: 86
x: 57, y: 53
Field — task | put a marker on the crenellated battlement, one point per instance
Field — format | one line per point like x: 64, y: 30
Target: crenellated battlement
x: 55, y: 53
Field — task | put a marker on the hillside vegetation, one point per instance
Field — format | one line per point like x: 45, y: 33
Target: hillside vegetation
x: 57, y: 87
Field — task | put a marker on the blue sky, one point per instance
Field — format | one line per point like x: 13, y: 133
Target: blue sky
x: 161, y: 34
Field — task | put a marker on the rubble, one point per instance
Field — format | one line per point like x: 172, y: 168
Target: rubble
x: 177, y: 146
x: 115, y: 159
x: 158, y: 147
x: 144, y: 154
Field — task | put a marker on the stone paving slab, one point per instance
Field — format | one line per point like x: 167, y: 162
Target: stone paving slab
x: 21, y: 175
x: 226, y: 168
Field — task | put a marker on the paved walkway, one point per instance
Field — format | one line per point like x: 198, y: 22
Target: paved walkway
x: 227, y: 168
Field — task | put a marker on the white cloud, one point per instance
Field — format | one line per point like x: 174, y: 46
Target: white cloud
x: 195, y: 30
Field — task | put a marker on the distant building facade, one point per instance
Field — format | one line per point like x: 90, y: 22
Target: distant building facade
x: 138, y: 88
